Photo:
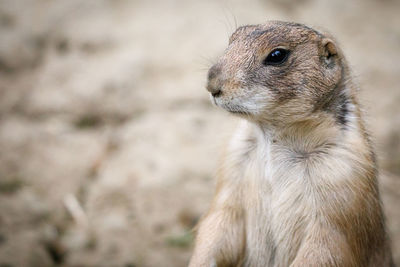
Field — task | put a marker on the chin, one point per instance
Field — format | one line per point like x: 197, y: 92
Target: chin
x: 239, y: 112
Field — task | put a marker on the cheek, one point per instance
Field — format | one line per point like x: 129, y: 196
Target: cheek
x: 285, y: 87
x: 262, y: 97
x: 286, y: 81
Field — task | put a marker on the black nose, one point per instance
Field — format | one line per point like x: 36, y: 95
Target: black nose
x: 216, y: 93
x: 214, y: 89
x: 214, y: 83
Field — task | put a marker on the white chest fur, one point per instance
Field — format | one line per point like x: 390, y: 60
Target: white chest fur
x: 282, y: 185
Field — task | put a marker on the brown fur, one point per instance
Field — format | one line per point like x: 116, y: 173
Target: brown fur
x: 298, y: 184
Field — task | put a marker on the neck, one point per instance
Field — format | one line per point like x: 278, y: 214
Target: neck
x: 324, y: 128
x: 334, y: 117
x: 305, y: 137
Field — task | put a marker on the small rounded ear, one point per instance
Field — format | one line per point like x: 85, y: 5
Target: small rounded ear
x: 328, y: 48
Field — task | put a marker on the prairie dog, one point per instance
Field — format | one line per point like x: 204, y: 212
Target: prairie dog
x: 298, y: 182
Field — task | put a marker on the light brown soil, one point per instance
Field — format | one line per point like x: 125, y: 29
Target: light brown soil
x: 103, y: 103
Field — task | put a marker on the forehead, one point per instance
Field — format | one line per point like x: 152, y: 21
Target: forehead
x: 273, y: 34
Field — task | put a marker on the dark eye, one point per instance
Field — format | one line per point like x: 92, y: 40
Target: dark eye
x: 276, y: 57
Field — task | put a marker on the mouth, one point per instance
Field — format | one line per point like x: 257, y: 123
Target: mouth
x: 233, y: 109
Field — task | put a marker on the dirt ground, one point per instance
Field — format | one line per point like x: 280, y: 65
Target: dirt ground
x: 108, y: 142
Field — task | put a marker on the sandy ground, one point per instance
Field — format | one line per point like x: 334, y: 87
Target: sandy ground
x: 108, y: 143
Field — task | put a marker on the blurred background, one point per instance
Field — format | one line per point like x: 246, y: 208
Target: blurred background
x: 108, y: 141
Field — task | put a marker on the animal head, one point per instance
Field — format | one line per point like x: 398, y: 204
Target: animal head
x: 278, y: 71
